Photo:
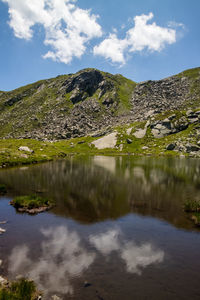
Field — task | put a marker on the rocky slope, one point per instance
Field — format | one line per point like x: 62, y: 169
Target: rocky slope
x: 66, y: 106
x: 92, y: 102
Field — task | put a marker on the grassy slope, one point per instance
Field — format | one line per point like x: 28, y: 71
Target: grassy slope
x: 45, y: 151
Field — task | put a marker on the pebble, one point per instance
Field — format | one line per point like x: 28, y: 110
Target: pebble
x: 2, y: 230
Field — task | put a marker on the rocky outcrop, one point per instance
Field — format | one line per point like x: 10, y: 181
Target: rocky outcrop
x: 86, y: 84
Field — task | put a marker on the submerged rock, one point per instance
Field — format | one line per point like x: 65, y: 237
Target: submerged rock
x: 55, y: 297
x: 3, y: 281
x: 2, y: 230
x: 196, y: 220
x: 87, y: 284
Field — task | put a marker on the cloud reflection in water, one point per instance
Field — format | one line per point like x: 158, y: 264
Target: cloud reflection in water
x: 63, y: 258
x: 135, y: 257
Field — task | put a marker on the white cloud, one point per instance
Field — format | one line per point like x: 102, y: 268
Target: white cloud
x: 112, y: 48
x: 174, y: 24
x: 153, y: 37
x: 142, y: 36
x: 68, y: 28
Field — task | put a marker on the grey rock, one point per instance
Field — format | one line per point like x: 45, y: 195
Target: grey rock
x: 171, y: 146
x: 81, y: 142
x: 172, y: 117
x: 55, y: 297
x: 192, y: 148
x: 189, y: 113
x: 26, y: 149
x: 145, y: 148
x: 193, y: 120
x: 129, y: 141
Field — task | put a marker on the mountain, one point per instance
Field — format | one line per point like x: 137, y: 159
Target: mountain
x: 92, y: 102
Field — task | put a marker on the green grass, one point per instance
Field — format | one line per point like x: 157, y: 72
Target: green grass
x: 192, y: 206
x: 46, y: 151
x: 19, y: 290
x: 30, y: 202
x: 125, y: 88
x: 191, y: 73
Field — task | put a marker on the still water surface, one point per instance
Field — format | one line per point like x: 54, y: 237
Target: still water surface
x: 118, y: 225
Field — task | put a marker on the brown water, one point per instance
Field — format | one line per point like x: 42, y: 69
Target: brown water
x: 118, y: 224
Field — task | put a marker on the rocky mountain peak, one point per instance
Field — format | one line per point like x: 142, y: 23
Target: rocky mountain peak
x: 85, y: 84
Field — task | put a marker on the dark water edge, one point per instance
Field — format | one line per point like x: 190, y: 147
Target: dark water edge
x: 118, y: 224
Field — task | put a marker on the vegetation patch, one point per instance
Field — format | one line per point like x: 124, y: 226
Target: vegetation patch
x: 18, y: 290
x: 191, y: 73
x: 31, y: 204
x: 193, y: 207
x: 3, y: 189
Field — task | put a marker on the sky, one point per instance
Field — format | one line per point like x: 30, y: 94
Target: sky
x: 140, y: 39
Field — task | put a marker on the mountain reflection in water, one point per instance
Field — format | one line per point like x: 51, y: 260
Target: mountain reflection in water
x: 91, y: 189
x: 63, y: 257
x: 118, y: 230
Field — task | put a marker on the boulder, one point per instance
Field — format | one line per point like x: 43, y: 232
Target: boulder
x: 140, y: 133
x: 192, y: 148
x: 172, y: 117
x: 108, y: 141
x: 171, y: 147
x: 26, y: 149
x: 129, y: 141
x: 145, y: 148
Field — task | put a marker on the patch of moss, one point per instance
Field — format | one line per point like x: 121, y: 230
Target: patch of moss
x: 192, y: 206
x: 30, y: 202
x: 19, y: 290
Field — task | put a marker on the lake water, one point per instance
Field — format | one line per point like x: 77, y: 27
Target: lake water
x: 118, y: 230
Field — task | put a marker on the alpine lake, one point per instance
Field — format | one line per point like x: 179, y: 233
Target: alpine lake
x: 118, y: 229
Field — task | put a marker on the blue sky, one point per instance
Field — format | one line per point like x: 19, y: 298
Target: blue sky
x: 141, y: 39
